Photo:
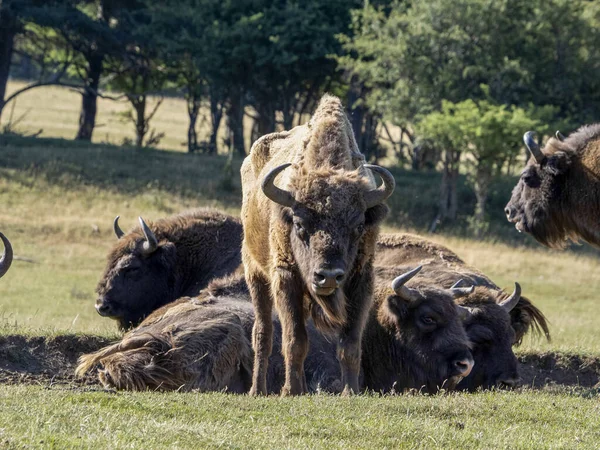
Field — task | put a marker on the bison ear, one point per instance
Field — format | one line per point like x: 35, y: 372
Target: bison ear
x: 168, y: 254
x: 396, y: 308
x: 558, y: 163
x: 376, y: 214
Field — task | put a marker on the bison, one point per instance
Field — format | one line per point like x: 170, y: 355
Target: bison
x: 495, y: 321
x: 558, y: 195
x: 151, y: 266
x: 308, y: 245
x: 7, y: 256
x: 413, y: 339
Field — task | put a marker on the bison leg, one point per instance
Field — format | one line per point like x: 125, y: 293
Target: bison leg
x: 262, y: 332
x: 359, y: 293
x: 288, y: 292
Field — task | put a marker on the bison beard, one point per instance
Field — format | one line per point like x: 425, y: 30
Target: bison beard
x: 557, y: 198
x: 306, y: 244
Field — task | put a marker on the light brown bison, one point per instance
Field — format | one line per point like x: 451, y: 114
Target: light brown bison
x: 495, y: 322
x: 414, y: 339
x: 308, y: 245
x: 557, y: 198
x: 7, y: 256
x: 151, y: 266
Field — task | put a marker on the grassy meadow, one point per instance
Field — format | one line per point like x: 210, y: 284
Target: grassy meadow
x: 58, y: 199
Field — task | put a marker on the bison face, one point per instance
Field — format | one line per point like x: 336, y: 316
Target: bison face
x: 327, y: 213
x: 428, y: 325
x: 137, y: 280
x: 492, y: 337
x: 535, y: 204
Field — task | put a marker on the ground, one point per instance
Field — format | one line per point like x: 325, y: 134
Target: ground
x: 58, y: 201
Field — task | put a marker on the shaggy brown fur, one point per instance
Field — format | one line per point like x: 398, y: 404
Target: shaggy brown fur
x: 491, y: 329
x: 328, y: 228
x: 193, y: 248
x: 197, y: 344
x: 558, y: 200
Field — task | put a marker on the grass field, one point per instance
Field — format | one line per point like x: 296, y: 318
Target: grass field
x: 58, y: 201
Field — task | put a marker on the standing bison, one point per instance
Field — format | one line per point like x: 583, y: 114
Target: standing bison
x: 495, y: 321
x: 413, y: 339
x: 154, y: 265
x: 7, y: 256
x: 557, y: 198
x: 308, y: 245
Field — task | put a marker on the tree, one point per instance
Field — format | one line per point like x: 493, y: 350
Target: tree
x: 486, y: 134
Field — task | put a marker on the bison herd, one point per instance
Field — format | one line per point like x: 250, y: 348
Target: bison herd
x: 354, y: 310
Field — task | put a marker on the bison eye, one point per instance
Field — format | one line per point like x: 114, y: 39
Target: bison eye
x: 427, y: 320
x: 358, y: 231
x: 300, y: 230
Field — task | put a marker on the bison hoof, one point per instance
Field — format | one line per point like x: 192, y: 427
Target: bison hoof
x: 255, y: 392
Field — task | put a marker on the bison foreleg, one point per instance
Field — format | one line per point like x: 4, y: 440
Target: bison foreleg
x: 262, y: 332
x: 288, y: 291
x: 359, y: 293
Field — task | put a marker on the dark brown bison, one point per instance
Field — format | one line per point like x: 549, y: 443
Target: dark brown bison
x: 151, y: 266
x: 308, y: 245
x: 495, y: 322
x: 557, y: 198
x: 7, y: 256
x: 414, y: 339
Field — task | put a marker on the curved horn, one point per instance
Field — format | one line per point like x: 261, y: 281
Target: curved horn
x: 378, y: 195
x: 399, y: 282
x: 7, y: 257
x: 151, y: 243
x: 512, y: 301
x: 274, y: 193
x: 559, y: 136
x: 117, y: 228
x: 533, y: 147
x: 457, y: 284
x: 463, y: 312
x: 461, y: 292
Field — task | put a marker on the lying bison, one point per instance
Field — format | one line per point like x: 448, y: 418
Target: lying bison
x: 558, y: 195
x: 151, y: 266
x: 308, y: 245
x: 413, y: 339
x: 7, y: 256
x: 495, y: 321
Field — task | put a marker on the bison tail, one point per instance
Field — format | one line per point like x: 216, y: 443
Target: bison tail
x: 525, y: 316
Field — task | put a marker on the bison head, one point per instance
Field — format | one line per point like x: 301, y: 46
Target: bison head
x: 327, y: 213
x: 7, y: 257
x: 428, y: 323
x: 492, y: 335
x: 138, y: 278
x: 536, y: 202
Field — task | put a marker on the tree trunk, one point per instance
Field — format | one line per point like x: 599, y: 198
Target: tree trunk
x: 193, y: 108
x: 266, y: 119
x: 141, y: 127
x: 89, y: 101
x: 216, y: 114
x: 483, y: 177
x: 8, y: 29
x: 448, y: 196
x: 356, y: 113
x: 235, y: 121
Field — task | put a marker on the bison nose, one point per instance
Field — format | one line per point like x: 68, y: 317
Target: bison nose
x: 509, y: 382
x: 329, y: 278
x: 103, y: 307
x: 463, y: 366
x: 510, y: 212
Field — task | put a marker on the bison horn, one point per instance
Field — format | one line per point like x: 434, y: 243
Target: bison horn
x: 463, y: 312
x: 512, y: 301
x: 151, y: 243
x: 273, y: 192
x: 7, y: 257
x: 559, y: 136
x: 533, y: 147
x: 117, y: 228
x: 399, y: 282
x: 461, y: 292
x: 378, y: 195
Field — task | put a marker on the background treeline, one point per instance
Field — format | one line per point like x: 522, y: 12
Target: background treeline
x: 442, y: 85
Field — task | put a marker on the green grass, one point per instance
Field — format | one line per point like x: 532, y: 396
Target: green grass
x: 529, y: 420
x: 58, y: 201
